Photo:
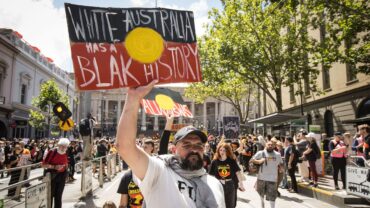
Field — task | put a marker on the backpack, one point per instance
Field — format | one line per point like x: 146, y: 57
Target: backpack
x: 297, y: 155
x: 254, y: 168
x: 84, y: 127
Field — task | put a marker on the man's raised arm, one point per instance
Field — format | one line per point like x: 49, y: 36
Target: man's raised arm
x: 135, y: 157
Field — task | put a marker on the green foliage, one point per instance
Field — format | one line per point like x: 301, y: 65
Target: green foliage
x: 263, y: 42
x: 346, y: 25
x: 50, y: 94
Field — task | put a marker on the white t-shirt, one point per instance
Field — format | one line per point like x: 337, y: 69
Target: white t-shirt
x: 163, y: 188
x: 269, y: 171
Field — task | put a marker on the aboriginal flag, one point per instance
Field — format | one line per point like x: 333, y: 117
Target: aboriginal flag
x: 128, y: 47
x: 162, y: 101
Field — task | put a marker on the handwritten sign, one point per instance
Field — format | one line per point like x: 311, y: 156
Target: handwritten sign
x: 36, y: 196
x: 115, y: 47
x: 165, y: 102
x: 357, y: 183
x: 231, y: 127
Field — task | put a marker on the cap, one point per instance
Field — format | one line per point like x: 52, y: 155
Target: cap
x: 310, y: 135
x: 303, y: 131
x: 185, y: 131
x: 338, y: 133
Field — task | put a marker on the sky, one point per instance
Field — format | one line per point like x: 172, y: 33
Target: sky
x: 43, y: 23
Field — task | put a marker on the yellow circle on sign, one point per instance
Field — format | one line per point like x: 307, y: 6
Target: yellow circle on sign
x: 164, y: 102
x: 66, y: 125
x: 59, y: 109
x: 144, y: 45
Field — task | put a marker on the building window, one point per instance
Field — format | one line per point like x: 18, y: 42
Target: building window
x: 291, y: 93
x: 306, y: 84
x: 23, y: 93
x: 25, y: 80
x: 325, y: 78
x: 329, y: 123
x: 351, y: 72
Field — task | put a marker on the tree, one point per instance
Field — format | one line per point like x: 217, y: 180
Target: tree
x: 50, y: 94
x: 266, y: 43
x: 346, y: 27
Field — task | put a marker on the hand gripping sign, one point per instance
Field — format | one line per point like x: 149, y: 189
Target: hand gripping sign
x: 129, y: 47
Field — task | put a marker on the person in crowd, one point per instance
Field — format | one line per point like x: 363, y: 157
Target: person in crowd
x: 365, y: 133
x: 14, y: 174
x: 2, y: 157
x: 259, y: 145
x: 207, y: 156
x: 56, y: 163
x: 71, y: 153
x: 50, y: 145
x: 311, y: 155
x: 338, y: 154
x: 130, y: 192
x: 302, y: 146
x: 212, y: 143
x: 270, y: 163
x: 25, y: 159
x: 279, y: 149
x: 180, y: 177
x: 101, y: 151
x: 291, y: 159
x: 358, y: 148
x: 225, y: 168
x: 246, y: 153
x: 110, y: 204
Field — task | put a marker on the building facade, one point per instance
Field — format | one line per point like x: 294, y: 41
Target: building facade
x: 23, y: 69
x: 345, y: 102
x: 106, y: 107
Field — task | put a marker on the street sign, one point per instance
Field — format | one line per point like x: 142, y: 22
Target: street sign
x: 36, y: 196
x: 357, y: 183
x: 66, y: 125
x: 314, y: 128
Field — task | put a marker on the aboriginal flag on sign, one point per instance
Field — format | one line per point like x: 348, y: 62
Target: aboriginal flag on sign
x: 162, y: 101
x: 128, y: 47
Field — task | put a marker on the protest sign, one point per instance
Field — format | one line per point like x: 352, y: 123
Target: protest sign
x: 119, y: 47
x: 165, y: 102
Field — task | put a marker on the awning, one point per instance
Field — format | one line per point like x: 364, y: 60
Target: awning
x: 276, y: 118
x: 361, y: 120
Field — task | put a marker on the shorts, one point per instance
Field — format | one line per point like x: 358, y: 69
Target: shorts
x: 267, y: 188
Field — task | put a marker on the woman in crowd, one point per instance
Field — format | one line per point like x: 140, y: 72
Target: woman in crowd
x: 225, y: 168
x: 338, y: 156
x: 311, y: 154
x: 15, y: 174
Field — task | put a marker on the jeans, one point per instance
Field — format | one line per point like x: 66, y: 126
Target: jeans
x: 339, y: 164
x: 312, y: 165
x: 291, y: 173
x: 230, y: 194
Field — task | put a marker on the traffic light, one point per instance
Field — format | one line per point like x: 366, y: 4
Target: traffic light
x: 61, y: 111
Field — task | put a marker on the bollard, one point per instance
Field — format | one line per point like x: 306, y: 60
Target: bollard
x: 101, y: 179
x: 109, y: 167
x: 114, y: 165
x: 21, y: 178
x: 47, y: 180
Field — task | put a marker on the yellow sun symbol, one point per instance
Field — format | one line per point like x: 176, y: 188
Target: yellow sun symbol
x: 164, y: 102
x: 144, y: 45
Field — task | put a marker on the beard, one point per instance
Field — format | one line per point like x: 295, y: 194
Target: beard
x: 191, y: 164
x: 270, y: 150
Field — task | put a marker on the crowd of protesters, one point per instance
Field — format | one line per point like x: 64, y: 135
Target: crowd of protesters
x: 225, y: 159
x: 277, y: 158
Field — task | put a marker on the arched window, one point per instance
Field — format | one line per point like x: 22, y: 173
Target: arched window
x: 25, y: 81
x: 364, y: 108
x: 329, y: 123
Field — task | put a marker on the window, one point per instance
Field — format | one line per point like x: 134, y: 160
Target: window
x: 351, y: 72
x: 25, y: 80
x: 325, y: 78
x: 306, y: 84
x: 329, y: 123
x: 23, y: 93
x: 291, y: 93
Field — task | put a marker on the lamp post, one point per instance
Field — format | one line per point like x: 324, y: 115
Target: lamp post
x: 49, y: 118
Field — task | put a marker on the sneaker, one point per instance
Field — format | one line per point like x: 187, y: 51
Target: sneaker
x: 278, y: 194
x: 336, y: 187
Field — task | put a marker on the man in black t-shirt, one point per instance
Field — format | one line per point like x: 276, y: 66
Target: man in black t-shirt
x: 130, y: 193
x: 291, y: 159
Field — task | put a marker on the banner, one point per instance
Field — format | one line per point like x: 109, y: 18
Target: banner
x: 231, y: 127
x: 120, y: 47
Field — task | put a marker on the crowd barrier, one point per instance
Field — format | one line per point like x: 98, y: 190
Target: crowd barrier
x: 33, y: 190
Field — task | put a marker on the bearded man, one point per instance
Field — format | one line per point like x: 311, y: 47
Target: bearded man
x: 270, y: 163
x: 170, y: 180
x: 56, y: 163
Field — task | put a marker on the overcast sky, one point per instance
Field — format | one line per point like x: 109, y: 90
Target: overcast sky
x: 42, y: 22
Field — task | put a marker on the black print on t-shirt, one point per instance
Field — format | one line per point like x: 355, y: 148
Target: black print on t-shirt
x: 183, y: 187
